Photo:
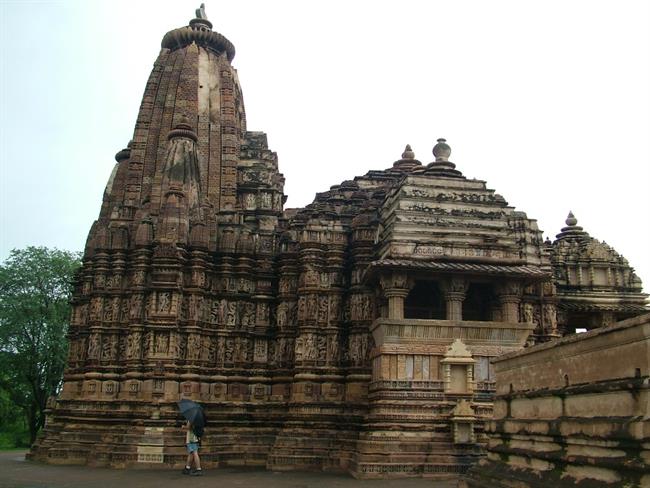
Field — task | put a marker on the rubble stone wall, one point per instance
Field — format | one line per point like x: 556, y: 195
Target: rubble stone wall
x: 575, y: 412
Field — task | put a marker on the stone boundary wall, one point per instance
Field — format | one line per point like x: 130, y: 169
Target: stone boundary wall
x: 573, y: 412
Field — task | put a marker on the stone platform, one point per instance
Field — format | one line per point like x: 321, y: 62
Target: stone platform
x: 18, y: 473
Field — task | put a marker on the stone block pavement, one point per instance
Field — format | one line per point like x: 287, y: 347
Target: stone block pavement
x: 16, y: 472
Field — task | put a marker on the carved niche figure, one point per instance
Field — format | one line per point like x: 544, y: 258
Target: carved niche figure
x: 231, y: 314
x: 173, y: 344
x: 302, y: 308
x: 321, y: 347
x: 550, y: 317
x: 281, y: 319
x: 333, y: 348
x: 193, y: 347
x: 266, y: 200
x: 147, y: 344
x: 205, y: 348
x: 263, y: 313
x: 358, y: 346
x: 248, y: 314
x: 237, y: 350
x: 108, y: 313
x: 163, y: 302
x: 334, y: 309
x: 95, y: 308
x: 133, y: 345
x: 93, y: 346
x: 136, y: 306
x: 100, y: 281
x: 249, y: 201
x: 138, y: 278
x: 288, y: 353
x: 277, y: 201
x: 527, y: 313
x: 162, y: 343
x: 228, y: 355
x: 82, y: 349
x: 310, y: 352
x: 113, y: 347
x: 124, y: 310
x: 323, y: 305
x: 298, y: 350
x: 312, y: 307
x: 214, y: 312
x: 181, y: 345
x: 221, y: 348
x: 121, y: 347
x: 106, y: 348
x: 212, y: 350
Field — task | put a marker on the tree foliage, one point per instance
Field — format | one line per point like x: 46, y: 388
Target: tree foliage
x: 35, y: 290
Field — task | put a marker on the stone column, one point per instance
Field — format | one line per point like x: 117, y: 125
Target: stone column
x: 396, y: 302
x: 454, y: 291
x: 510, y: 297
x: 396, y: 287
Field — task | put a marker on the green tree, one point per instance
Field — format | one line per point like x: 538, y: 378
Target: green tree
x: 35, y: 290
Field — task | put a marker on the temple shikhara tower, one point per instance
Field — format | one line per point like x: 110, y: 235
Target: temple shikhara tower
x: 354, y: 334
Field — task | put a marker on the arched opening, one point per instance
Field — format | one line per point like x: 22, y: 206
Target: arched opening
x: 424, y: 302
x: 479, y: 302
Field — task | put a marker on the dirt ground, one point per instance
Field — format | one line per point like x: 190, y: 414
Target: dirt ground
x: 16, y: 472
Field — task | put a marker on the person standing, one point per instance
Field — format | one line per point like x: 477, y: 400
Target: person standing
x: 192, y: 444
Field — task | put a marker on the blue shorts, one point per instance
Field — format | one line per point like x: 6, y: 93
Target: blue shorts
x: 192, y: 447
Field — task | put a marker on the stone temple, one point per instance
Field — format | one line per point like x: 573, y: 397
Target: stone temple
x: 354, y: 334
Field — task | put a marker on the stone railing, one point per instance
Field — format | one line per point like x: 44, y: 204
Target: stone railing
x: 406, y: 385
x: 413, y: 331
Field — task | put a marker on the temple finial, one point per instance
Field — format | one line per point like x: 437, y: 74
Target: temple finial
x: 200, y: 12
x: 408, y: 153
x: 571, y: 220
x: 442, y: 151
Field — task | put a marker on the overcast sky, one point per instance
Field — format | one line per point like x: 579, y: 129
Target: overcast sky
x: 548, y: 101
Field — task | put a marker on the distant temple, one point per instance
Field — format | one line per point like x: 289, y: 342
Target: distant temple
x: 354, y: 334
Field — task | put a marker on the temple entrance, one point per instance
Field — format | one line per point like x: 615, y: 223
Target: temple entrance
x: 479, y: 302
x: 424, y: 301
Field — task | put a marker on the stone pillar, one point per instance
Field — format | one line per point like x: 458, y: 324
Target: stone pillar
x: 510, y: 298
x: 396, y: 287
x: 454, y: 290
x: 396, y: 303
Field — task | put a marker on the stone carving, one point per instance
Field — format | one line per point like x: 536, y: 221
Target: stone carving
x: 550, y: 318
x: 163, y: 303
x: 195, y: 281
x: 93, y: 347
x: 248, y: 314
x: 162, y: 343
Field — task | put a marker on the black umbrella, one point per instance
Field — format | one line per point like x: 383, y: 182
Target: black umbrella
x: 193, y: 412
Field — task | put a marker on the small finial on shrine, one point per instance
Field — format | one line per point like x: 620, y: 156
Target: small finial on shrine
x: 201, y: 21
x: 571, y: 220
x: 200, y: 12
x: 442, y: 151
x: 408, y: 153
